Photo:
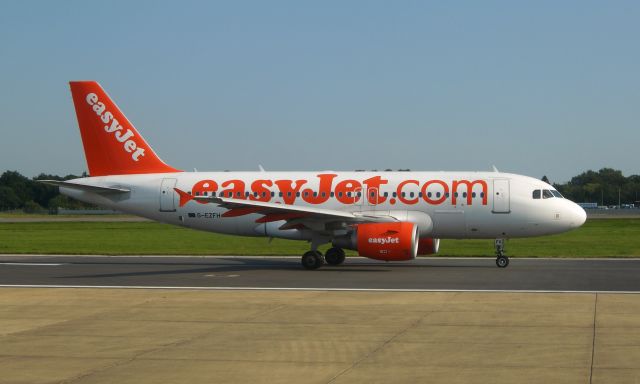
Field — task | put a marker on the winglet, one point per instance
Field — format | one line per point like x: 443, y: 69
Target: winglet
x: 495, y: 169
x: 184, y: 196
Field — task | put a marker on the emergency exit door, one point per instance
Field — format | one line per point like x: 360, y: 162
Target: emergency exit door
x: 167, y: 194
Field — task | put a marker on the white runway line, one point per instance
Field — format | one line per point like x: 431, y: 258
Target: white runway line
x: 309, y: 289
x: 35, y: 264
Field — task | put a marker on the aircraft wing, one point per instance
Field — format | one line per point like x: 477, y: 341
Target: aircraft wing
x: 293, y: 214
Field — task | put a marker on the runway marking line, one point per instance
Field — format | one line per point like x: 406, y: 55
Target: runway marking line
x: 35, y: 264
x: 308, y: 289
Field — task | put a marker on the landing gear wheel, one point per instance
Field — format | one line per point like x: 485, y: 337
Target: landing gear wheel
x: 334, y: 256
x: 502, y: 261
x: 312, y: 260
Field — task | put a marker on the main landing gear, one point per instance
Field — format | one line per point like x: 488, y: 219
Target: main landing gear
x: 314, y: 259
x: 502, y: 261
x: 334, y: 256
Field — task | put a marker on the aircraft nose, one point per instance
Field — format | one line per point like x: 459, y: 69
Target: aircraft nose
x: 578, y: 215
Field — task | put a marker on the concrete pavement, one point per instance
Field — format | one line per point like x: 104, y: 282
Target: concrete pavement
x: 176, y: 336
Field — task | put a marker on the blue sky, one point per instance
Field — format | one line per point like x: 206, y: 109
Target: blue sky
x: 539, y: 88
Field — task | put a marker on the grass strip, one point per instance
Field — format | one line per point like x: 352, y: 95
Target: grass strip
x: 597, y: 238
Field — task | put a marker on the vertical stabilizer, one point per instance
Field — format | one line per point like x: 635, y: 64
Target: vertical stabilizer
x: 112, y: 145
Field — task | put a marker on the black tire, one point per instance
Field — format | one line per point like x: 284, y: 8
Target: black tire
x: 502, y: 261
x: 312, y: 260
x: 334, y: 256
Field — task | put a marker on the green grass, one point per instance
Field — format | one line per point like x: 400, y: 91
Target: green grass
x: 597, y: 238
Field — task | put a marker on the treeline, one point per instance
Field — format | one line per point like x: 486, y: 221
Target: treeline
x: 18, y: 192
x: 605, y: 187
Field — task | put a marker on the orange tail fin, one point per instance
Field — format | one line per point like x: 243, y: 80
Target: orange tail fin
x: 112, y: 145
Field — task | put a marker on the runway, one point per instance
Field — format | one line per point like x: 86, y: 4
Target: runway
x: 472, y: 274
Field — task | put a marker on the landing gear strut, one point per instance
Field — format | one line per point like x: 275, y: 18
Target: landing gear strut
x: 502, y: 261
x: 334, y: 256
x: 312, y: 260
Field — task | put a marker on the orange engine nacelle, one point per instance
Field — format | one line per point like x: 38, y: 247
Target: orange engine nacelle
x: 388, y: 241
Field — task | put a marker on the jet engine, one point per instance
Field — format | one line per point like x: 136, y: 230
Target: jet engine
x: 394, y: 241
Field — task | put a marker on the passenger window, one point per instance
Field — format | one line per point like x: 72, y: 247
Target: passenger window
x: 213, y: 194
x: 473, y: 194
x: 437, y: 194
x: 464, y: 194
x: 428, y: 194
x: 546, y: 194
x: 331, y: 194
x: 386, y: 194
x: 536, y: 194
x: 410, y: 194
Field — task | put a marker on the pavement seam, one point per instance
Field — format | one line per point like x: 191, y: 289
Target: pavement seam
x: 384, y: 344
x: 161, y: 347
x: 593, y: 345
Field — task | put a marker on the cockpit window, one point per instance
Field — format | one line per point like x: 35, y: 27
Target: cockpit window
x: 546, y: 194
x: 536, y: 194
x: 557, y: 194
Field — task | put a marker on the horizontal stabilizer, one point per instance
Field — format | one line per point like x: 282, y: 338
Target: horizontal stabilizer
x: 85, y: 187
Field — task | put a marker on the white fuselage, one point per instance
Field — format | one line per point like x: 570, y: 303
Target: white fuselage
x: 461, y: 205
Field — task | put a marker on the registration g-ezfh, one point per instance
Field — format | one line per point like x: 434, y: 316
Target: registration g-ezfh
x: 389, y: 216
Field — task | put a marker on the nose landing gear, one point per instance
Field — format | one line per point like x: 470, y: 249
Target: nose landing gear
x: 502, y: 261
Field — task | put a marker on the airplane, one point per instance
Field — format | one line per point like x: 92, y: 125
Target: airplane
x: 390, y: 216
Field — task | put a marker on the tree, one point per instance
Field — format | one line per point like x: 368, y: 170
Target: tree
x: 546, y: 179
x: 31, y: 207
x: 8, y: 199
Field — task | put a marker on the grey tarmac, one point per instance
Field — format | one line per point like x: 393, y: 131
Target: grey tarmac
x: 474, y: 274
